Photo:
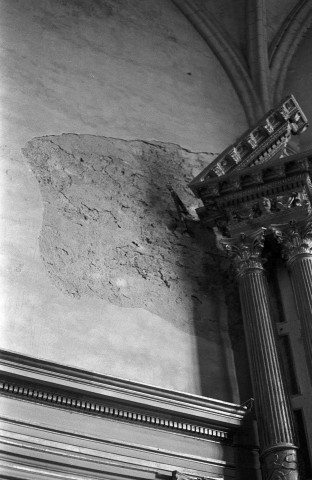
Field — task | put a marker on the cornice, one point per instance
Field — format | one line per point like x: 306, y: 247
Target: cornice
x: 68, y: 401
x: 267, y: 139
x: 62, y: 386
x: 260, y: 175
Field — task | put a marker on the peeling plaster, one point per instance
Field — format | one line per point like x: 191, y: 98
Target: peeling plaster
x: 111, y: 231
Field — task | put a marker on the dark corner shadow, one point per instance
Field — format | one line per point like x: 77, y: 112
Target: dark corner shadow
x: 205, y: 278
x: 219, y: 286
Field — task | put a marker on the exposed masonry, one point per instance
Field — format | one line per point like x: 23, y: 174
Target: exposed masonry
x: 110, y: 228
x: 101, y: 409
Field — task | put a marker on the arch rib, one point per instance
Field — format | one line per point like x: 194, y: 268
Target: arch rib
x: 286, y: 42
x: 227, y: 54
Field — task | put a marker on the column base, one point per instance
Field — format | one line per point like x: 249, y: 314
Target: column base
x: 280, y: 463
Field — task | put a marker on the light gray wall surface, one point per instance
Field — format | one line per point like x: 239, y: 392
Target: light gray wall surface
x: 130, y: 70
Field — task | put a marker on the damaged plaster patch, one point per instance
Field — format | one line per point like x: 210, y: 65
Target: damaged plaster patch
x: 110, y: 228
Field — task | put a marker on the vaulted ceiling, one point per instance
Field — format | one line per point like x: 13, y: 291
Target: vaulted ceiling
x: 255, y: 41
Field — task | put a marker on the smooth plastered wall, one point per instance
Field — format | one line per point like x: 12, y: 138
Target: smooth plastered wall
x: 298, y: 82
x: 128, y: 70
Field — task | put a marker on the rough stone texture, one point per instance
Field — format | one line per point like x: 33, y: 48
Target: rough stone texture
x: 111, y: 229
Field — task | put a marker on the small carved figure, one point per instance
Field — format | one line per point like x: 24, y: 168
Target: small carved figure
x: 294, y: 200
x: 219, y: 238
x: 242, y: 215
x: 281, y: 203
x: 265, y: 205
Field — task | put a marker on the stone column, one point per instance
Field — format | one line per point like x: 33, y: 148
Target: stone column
x: 274, y: 415
x: 296, y: 241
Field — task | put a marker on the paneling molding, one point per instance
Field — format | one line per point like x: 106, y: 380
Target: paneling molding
x: 90, y: 392
x: 38, y: 442
x: 63, y: 399
x: 58, y: 421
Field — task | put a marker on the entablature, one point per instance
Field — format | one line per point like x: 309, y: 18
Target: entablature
x: 249, y: 198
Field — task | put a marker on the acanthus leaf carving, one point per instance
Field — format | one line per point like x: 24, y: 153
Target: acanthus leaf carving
x: 245, y: 250
x: 295, y: 238
x: 281, y: 465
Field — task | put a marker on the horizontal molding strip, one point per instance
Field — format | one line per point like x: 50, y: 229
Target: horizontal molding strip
x: 63, y: 400
x: 112, y: 390
x: 35, y: 472
x: 99, y: 457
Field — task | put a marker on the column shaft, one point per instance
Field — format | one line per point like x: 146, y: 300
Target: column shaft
x: 301, y: 277
x: 272, y: 405
x: 274, y: 414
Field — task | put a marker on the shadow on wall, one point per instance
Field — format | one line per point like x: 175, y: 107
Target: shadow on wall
x: 222, y: 323
x: 223, y: 371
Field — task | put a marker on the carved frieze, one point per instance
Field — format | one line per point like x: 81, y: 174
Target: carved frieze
x: 229, y: 185
x: 275, y: 172
x: 265, y: 211
x: 287, y: 171
x: 273, y: 193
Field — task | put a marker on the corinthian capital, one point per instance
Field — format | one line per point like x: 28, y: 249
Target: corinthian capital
x: 245, y: 250
x: 295, y: 238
